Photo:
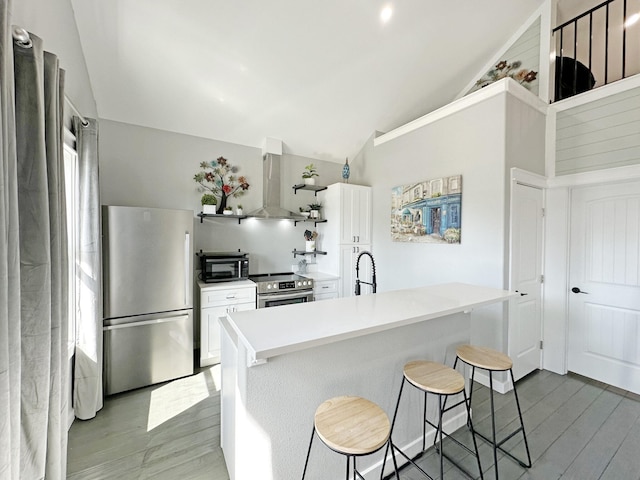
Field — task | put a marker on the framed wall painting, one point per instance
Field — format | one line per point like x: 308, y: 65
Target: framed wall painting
x: 427, y: 212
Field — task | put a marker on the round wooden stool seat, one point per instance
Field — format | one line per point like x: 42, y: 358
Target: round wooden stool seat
x: 352, y: 425
x: 483, y: 357
x: 433, y: 377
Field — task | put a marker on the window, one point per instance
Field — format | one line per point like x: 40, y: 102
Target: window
x: 71, y: 191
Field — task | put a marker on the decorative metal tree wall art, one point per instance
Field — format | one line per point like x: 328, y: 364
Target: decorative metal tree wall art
x: 427, y: 212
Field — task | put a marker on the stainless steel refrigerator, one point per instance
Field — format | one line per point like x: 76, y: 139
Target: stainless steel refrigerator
x: 148, y: 296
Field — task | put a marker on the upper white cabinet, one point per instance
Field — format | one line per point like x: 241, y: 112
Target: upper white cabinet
x: 347, y: 233
x: 349, y: 208
x: 355, y: 212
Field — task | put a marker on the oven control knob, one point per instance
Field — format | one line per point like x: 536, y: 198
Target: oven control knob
x: 269, y: 287
x: 275, y: 286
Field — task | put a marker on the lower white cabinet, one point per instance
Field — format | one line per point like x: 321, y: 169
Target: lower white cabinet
x: 216, y: 300
x: 348, y: 257
x: 325, y: 289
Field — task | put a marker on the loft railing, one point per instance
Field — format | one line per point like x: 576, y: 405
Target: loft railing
x: 593, y: 48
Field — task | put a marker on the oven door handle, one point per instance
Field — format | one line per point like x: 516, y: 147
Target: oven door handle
x: 285, y: 296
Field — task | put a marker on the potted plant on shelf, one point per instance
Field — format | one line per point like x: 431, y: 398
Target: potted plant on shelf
x: 314, y: 210
x: 208, y: 202
x: 227, y: 210
x: 304, y: 213
x: 239, y: 209
x: 309, y: 173
x: 310, y: 243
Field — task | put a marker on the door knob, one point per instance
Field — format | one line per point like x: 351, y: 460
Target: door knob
x: 577, y: 290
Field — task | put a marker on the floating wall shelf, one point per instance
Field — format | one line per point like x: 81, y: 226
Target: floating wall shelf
x: 303, y: 186
x: 304, y: 252
x: 315, y: 221
x: 217, y: 215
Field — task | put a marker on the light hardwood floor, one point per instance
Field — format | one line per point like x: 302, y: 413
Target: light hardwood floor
x: 165, y: 431
x: 577, y: 429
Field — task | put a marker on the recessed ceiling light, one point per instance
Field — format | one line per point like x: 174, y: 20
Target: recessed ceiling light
x: 385, y: 14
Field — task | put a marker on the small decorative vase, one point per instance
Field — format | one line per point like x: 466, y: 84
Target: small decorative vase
x: 238, y: 211
x: 313, y: 214
x: 310, y: 245
x: 209, y: 209
x: 346, y: 171
x: 222, y: 203
x: 310, y: 181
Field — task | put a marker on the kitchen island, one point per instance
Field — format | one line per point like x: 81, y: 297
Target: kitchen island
x: 279, y: 364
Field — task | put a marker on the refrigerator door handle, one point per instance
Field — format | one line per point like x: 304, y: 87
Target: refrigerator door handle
x: 187, y: 259
x: 173, y: 318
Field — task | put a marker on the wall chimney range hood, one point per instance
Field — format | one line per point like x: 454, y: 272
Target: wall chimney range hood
x: 271, y: 183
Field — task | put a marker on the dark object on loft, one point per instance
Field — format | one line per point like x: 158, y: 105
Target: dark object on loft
x: 572, y: 77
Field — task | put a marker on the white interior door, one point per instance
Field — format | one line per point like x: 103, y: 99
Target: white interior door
x: 604, y: 297
x: 525, y: 314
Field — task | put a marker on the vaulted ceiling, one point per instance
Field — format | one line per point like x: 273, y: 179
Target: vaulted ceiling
x: 322, y: 76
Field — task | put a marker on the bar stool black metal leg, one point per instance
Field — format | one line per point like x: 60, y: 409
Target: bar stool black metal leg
x: 306, y: 462
x: 473, y: 373
x: 524, y: 435
x: 440, y: 431
x: 390, y: 442
x: 395, y: 463
x: 424, y: 424
x: 354, y: 469
x: 473, y: 433
x: 493, y: 425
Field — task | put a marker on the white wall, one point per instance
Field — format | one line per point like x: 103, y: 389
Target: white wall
x: 54, y: 22
x: 471, y: 143
x: 142, y: 166
x: 481, y: 142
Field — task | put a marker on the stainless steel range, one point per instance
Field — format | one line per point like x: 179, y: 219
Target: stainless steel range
x: 274, y: 289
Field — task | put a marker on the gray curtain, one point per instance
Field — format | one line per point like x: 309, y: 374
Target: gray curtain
x: 10, y: 348
x: 34, y: 274
x: 87, y: 391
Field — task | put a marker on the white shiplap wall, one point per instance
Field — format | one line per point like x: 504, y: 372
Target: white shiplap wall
x: 601, y: 134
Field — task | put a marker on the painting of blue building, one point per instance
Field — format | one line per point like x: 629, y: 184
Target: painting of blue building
x: 427, y: 212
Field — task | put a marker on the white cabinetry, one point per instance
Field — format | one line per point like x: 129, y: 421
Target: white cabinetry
x: 348, y: 257
x: 354, y: 212
x: 325, y: 290
x: 216, y: 300
x: 348, y: 232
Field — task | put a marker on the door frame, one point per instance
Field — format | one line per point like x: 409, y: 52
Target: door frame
x: 557, y: 255
x: 529, y: 179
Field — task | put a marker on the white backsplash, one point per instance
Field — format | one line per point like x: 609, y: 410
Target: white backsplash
x: 270, y: 243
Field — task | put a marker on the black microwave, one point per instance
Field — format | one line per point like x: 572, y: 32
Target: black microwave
x: 223, y: 266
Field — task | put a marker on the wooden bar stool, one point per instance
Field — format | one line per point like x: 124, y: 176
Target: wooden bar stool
x: 493, y: 361
x: 443, y: 381
x: 351, y: 426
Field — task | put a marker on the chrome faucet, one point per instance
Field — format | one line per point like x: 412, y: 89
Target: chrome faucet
x: 373, y: 268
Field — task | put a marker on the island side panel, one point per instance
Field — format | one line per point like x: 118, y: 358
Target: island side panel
x: 275, y: 402
x: 228, y: 394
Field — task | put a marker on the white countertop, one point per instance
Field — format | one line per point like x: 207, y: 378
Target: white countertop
x: 268, y: 332
x: 319, y: 276
x: 226, y: 285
